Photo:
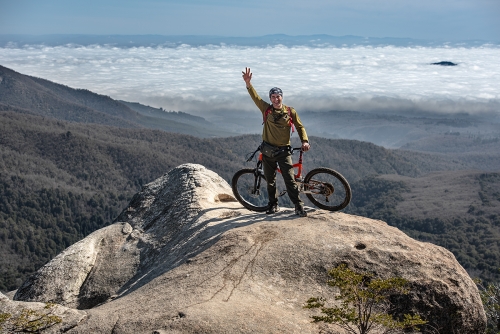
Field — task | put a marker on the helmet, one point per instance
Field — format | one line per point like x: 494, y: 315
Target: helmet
x: 275, y: 90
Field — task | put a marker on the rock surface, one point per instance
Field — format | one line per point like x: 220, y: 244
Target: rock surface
x: 184, y: 257
x: 17, y: 312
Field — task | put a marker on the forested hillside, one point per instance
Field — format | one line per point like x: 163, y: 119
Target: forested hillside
x: 59, y: 181
x: 38, y: 96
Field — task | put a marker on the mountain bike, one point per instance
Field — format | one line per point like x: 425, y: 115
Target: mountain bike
x: 324, y: 187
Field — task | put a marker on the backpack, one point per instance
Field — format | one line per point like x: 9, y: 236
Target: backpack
x: 270, y: 110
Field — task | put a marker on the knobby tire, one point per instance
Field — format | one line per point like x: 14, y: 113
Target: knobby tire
x: 242, y: 184
x: 323, y: 181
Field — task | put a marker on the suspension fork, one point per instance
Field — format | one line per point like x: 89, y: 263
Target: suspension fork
x: 299, y: 179
x: 258, y: 173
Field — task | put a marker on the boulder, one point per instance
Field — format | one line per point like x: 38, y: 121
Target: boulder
x: 11, y: 294
x: 185, y: 257
x: 23, y: 317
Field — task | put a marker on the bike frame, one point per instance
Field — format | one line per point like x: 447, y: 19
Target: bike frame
x: 297, y: 165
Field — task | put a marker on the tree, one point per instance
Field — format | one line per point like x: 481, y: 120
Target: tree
x: 365, y: 304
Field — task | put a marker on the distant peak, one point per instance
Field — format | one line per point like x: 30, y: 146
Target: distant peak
x: 445, y: 63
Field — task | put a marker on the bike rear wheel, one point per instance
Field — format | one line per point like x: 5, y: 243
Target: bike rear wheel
x: 327, y: 189
x: 250, y: 189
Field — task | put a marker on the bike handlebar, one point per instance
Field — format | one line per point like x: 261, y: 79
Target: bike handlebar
x: 258, y: 149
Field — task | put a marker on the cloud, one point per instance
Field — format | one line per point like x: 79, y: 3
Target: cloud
x: 199, y: 79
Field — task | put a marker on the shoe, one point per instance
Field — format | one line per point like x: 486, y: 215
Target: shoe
x: 299, y: 210
x: 273, y: 209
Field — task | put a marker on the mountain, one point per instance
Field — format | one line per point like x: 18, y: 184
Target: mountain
x: 454, y: 134
x: 185, y: 257
x: 179, y: 116
x: 37, y: 96
x: 60, y: 181
x: 461, y: 135
x: 318, y: 40
x: 71, y: 160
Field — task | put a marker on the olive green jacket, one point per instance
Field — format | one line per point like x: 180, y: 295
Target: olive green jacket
x: 277, y: 125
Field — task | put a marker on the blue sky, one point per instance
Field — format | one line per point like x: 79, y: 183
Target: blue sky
x: 426, y: 19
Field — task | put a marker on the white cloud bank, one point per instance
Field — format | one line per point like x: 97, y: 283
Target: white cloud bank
x: 200, y: 79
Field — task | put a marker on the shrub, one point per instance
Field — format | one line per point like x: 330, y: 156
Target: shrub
x: 490, y: 296
x: 364, y: 303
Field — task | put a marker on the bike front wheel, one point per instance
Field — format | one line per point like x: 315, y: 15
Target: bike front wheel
x: 250, y: 189
x: 327, y: 189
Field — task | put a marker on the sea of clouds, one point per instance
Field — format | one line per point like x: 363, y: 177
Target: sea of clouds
x: 208, y: 78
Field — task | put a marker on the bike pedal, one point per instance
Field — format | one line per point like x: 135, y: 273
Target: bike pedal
x: 282, y: 193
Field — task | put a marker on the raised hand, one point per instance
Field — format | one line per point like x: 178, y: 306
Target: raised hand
x: 247, y: 76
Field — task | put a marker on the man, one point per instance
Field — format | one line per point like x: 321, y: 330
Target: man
x: 278, y: 122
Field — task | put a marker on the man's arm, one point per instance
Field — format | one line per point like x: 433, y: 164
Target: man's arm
x: 261, y: 104
x: 300, y: 130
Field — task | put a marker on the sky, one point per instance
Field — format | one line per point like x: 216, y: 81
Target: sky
x: 197, y: 79
x: 423, y: 19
